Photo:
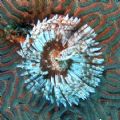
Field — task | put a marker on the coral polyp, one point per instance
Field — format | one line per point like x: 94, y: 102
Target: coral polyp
x: 61, y: 62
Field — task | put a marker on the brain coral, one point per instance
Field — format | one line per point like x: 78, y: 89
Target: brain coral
x: 59, y: 60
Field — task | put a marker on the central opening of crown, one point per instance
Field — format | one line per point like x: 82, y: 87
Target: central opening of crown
x: 55, y: 64
x: 49, y: 62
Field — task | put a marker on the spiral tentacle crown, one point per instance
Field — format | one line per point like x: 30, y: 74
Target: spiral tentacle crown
x: 64, y: 64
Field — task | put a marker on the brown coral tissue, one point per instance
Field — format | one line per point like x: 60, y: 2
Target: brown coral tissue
x: 59, y: 60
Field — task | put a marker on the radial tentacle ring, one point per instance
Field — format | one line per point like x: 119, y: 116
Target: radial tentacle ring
x: 63, y: 63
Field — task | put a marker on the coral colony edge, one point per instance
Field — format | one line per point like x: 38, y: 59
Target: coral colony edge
x: 63, y: 63
x: 59, y: 60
